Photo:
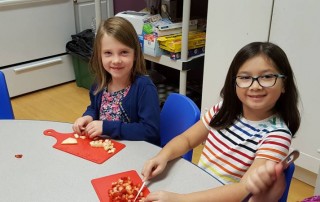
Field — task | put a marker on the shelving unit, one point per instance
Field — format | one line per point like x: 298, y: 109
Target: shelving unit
x: 184, y: 64
x: 176, y: 64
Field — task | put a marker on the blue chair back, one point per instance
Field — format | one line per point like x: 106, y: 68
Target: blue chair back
x: 6, y: 111
x: 288, y: 175
x: 177, y: 115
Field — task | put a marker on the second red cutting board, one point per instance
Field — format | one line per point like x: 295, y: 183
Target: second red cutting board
x: 83, y: 148
x: 103, y: 184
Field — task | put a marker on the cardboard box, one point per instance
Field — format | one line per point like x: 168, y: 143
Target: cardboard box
x: 151, y: 45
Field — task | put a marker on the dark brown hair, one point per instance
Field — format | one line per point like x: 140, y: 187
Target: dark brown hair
x: 123, y: 31
x: 287, y: 104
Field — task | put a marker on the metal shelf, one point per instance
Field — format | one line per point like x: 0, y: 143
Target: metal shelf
x: 185, y: 63
x: 180, y: 65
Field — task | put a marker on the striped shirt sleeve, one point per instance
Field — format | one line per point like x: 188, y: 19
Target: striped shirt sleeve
x: 206, y: 118
x: 275, y: 146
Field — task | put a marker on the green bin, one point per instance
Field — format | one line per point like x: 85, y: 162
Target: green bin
x: 80, y: 48
x: 84, y: 77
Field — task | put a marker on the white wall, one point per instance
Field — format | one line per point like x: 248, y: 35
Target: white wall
x: 296, y: 28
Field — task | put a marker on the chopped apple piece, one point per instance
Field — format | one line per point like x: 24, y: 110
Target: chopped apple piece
x: 70, y: 140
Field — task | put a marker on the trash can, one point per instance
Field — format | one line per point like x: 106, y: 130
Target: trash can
x: 81, y: 48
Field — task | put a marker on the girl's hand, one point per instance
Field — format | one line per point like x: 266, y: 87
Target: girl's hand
x: 80, y: 124
x: 267, y: 182
x: 163, y: 196
x: 153, y: 167
x: 94, y: 129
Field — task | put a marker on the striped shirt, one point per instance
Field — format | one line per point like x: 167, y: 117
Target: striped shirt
x: 229, y: 153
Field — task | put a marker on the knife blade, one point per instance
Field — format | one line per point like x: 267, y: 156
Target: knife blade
x: 141, y: 188
x: 290, y: 158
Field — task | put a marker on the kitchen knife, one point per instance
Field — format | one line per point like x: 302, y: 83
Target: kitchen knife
x: 141, y: 188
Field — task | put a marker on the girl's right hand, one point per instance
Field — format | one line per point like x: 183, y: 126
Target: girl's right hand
x: 80, y: 124
x: 267, y: 182
x: 153, y: 167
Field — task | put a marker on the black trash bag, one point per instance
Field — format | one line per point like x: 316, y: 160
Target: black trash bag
x: 81, y: 44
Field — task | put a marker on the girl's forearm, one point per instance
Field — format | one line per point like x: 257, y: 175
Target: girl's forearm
x: 189, y: 139
x: 175, y: 148
x: 232, y: 192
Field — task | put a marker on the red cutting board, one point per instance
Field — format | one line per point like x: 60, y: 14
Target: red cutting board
x: 103, y: 184
x: 83, y: 149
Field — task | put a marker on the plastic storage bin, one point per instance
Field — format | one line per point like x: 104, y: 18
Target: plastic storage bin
x: 81, y: 50
x: 84, y: 77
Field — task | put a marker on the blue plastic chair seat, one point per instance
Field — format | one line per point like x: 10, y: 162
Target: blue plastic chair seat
x: 288, y: 173
x: 177, y: 115
x: 6, y: 111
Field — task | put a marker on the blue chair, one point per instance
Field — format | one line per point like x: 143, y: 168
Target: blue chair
x: 6, y: 111
x: 177, y: 115
x: 288, y: 173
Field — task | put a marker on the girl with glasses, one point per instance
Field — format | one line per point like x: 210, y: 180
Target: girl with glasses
x: 252, y: 125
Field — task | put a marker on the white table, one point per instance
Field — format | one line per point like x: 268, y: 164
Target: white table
x: 47, y: 174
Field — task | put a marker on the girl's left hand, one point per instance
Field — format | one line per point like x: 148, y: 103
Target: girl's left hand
x: 163, y: 196
x: 94, y: 129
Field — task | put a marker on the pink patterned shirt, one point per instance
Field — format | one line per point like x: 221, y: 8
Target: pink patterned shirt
x: 111, y: 105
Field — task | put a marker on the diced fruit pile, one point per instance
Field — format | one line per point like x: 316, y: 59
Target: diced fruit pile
x: 106, y: 144
x: 125, y: 191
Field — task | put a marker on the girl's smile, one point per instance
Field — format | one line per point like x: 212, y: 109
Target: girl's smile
x: 256, y: 97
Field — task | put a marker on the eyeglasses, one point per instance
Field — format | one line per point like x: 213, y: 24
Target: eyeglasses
x: 266, y: 81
